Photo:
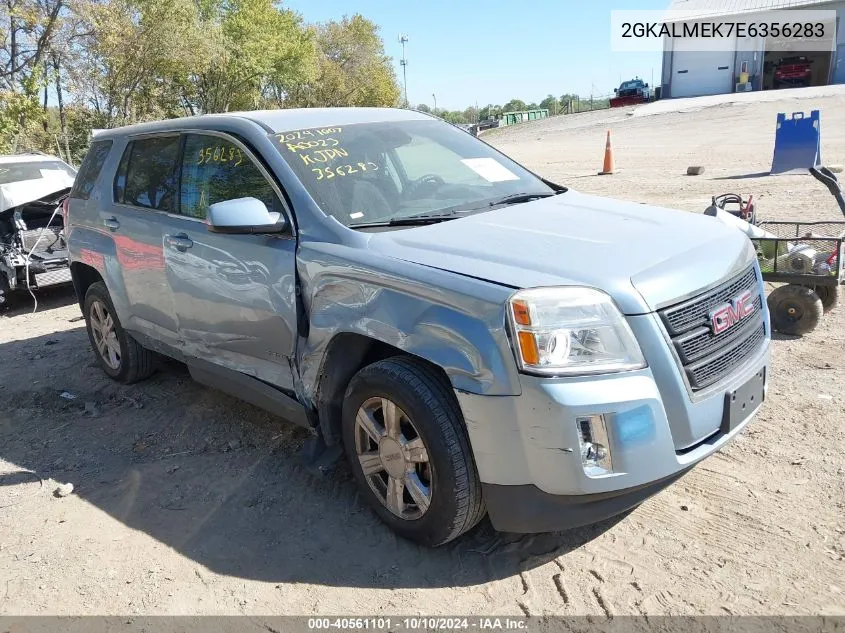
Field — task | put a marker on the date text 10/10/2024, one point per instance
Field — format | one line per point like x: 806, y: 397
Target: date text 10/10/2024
x: 419, y: 623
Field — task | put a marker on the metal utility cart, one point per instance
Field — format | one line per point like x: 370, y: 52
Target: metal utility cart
x: 807, y: 257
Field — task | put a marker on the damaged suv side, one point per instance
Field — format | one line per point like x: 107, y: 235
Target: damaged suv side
x: 33, y: 250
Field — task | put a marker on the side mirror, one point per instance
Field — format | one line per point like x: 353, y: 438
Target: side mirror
x: 646, y: 85
x: 616, y: 90
x: 244, y: 215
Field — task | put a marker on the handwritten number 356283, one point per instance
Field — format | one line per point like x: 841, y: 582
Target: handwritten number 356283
x: 343, y: 170
x: 220, y: 155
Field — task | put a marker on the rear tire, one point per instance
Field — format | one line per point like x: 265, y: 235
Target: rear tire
x: 120, y: 356
x: 795, y: 309
x: 829, y: 296
x: 412, y: 398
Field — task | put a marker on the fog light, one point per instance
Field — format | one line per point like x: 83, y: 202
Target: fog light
x: 595, y: 446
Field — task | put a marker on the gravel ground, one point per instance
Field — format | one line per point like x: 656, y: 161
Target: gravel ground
x: 186, y: 501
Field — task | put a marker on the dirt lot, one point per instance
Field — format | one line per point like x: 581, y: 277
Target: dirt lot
x: 187, y: 501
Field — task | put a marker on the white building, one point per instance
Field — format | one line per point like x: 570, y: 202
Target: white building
x: 693, y: 73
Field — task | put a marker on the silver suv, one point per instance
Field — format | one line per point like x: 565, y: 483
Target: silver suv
x: 476, y: 338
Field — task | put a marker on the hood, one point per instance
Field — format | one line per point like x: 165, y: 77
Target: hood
x: 15, y: 194
x: 644, y: 257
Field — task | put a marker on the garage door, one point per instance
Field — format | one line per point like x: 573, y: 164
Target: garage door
x: 697, y: 73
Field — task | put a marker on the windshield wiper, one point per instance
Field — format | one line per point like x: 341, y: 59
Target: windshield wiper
x: 452, y: 213
x: 413, y: 220
x: 516, y: 198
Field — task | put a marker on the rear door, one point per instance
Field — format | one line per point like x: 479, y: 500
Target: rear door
x: 234, y: 294
x: 145, y: 192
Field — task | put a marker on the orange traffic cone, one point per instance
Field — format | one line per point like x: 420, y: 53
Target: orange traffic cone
x: 608, y: 158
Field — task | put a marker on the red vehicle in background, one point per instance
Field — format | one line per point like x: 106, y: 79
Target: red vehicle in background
x: 631, y: 92
x: 793, y: 72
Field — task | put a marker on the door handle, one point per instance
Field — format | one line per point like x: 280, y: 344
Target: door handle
x: 179, y: 242
x: 111, y: 223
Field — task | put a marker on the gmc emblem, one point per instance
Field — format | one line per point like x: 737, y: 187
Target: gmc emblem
x: 729, y: 314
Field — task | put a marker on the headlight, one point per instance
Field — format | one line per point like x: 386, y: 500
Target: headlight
x: 571, y: 330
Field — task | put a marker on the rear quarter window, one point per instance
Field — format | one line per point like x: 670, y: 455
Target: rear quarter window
x: 90, y: 169
x: 147, y: 173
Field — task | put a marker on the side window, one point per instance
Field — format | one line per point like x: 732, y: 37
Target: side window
x: 215, y: 170
x: 150, y: 173
x: 90, y: 169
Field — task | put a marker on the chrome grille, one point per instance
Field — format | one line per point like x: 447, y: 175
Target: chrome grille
x: 693, y: 312
x: 710, y: 370
x: 705, y: 357
x: 696, y: 344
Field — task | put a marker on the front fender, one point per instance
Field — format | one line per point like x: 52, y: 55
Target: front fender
x: 455, y: 322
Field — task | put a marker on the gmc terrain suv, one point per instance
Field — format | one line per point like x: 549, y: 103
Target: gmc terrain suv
x: 476, y: 338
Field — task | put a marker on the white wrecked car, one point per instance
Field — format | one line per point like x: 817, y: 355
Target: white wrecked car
x: 33, y: 252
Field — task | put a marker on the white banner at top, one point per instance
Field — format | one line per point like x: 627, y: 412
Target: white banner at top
x: 786, y: 30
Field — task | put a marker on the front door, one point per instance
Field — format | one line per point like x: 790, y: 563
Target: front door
x: 234, y: 294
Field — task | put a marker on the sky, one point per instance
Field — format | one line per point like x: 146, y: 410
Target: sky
x: 491, y: 52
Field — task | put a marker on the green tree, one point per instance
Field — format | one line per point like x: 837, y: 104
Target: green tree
x: 352, y: 68
x: 134, y: 61
x: 514, y: 105
x: 115, y: 62
x: 256, y: 50
x: 551, y: 104
x: 423, y: 108
x: 27, y: 29
x: 80, y: 121
x: 489, y: 112
x: 453, y: 116
x: 19, y: 110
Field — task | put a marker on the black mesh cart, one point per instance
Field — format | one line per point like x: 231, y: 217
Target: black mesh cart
x: 806, y: 257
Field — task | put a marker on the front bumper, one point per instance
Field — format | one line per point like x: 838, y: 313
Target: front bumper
x: 526, y: 447
x: 529, y: 509
x: 44, y: 269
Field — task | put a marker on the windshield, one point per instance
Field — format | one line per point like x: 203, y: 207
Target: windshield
x: 630, y: 84
x: 381, y: 172
x: 33, y: 170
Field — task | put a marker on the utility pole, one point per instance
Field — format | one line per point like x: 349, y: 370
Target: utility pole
x: 433, y: 96
x: 403, y: 39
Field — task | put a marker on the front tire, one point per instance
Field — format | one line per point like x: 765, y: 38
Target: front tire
x: 405, y: 440
x: 795, y: 309
x: 119, y: 355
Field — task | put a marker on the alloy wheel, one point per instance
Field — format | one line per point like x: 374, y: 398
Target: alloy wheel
x: 105, y: 335
x: 393, y: 458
